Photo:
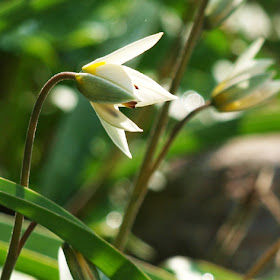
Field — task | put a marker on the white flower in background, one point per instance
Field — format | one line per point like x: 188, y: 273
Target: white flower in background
x: 251, y: 20
x: 248, y: 83
x: 185, y: 104
x: 64, y: 272
x: 17, y: 275
x: 109, y: 85
x: 218, y: 11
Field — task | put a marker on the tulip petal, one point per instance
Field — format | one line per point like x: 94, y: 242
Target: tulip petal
x: 245, y: 58
x: 115, y: 74
x: 130, y: 51
x: 64, y: 272
x: 147, y: 89
x: 254, y: 67
x: 100, y: 90
x: 112, y: 115
x: 117, y: 135
x: 257, y: 67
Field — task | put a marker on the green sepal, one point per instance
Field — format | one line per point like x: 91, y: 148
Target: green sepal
x: 99, y: 90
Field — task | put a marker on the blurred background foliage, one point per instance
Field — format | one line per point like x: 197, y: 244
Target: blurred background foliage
x: 76, y: 164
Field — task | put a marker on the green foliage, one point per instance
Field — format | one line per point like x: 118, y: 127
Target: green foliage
x: 36, y: 207
x: 39, y: 254
x: 73, y: 158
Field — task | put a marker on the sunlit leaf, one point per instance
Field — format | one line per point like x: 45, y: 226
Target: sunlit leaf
x: 32, y: 263
x: 36, y: 207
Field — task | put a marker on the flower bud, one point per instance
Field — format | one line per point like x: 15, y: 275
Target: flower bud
x: 248, y: 84
x: 99, y: 90
x: 244, y: 94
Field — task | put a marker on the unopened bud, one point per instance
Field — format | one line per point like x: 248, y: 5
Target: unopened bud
x: 99, y: 90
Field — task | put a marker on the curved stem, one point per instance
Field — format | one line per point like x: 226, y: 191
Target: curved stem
x: 25, y: 169
x: 141, y: 183
x: 173, y: 135
x: 25, y: 236
x: 264, y: 259
x: 189, y: 46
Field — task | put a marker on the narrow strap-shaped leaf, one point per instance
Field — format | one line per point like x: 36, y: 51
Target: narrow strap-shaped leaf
x: 32, y: 263
x: 37, y: 208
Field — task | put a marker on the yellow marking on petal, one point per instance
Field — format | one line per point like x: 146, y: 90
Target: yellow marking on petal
x: 78, y: 78
x: 91, y: 69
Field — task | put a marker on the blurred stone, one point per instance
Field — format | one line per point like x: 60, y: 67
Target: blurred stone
x: 202, y: 192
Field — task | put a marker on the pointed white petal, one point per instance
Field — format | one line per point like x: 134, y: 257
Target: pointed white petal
x: 117, y: 135
x: 147, y: 90
x: 64, y: 272
x: 130, y: 51
x: 245, y: 58
x: 254, y: 67
x: 112, y: 115
x: 257, y: 67
x: 115, y: 74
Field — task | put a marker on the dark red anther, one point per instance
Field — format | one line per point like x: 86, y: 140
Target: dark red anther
x: 131, y: 104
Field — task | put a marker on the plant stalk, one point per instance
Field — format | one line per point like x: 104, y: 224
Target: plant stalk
x: 264, y: 259
x: 141, y: 183
x: 177, y: 128
x: 14, y: 248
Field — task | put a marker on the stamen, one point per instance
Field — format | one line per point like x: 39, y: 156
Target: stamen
x: 136, y: 87
x: 131, y: 104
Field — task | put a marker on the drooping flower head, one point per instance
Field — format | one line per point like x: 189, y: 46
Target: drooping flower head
x: 109, y: 85
x: 248, y: 84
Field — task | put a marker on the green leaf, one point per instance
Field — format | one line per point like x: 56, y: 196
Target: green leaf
x: 219, y: 272
x: 39, y: 256
x: 41, y: 241
x: 32, y: 263
x: 45, y: 212
x: 156, y: 273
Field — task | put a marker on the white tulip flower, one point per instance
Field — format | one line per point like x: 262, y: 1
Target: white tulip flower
x: 109, y: 85
x: 248, y: 84
x: 64, y: 272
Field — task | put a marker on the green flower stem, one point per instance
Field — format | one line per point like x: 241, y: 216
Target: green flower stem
x: 25, y: 236
x: 264, y: 259
x: 25, y: 170
x: 140, y: 187
x: 185, y: 56
x: 177, y: 128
